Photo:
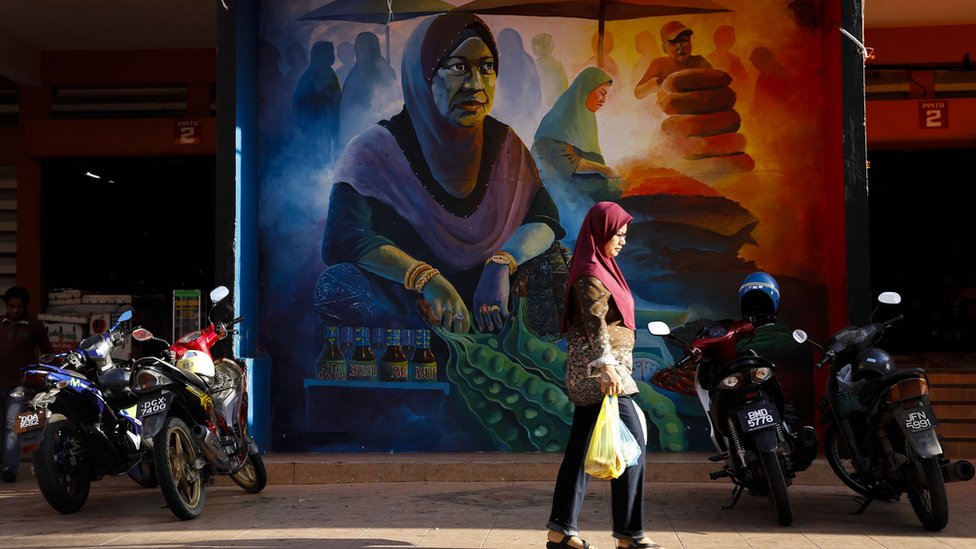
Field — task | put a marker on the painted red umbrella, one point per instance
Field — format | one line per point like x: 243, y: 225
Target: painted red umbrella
x: 599, y: 10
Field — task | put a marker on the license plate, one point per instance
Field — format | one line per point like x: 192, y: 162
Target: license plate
x: 156, y: 404
x: 918, y: 419
x: 758, y: 415
x: 30, y: 421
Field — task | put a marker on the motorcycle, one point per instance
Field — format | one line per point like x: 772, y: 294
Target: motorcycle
x: 82, y: 417
x: 880, y: 437
x: 198, y: 421
x: 744, y: 404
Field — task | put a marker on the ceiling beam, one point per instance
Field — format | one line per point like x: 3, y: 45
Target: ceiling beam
x: 19, y: 61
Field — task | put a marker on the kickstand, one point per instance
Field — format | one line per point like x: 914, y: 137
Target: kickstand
x: 736, y: 492
x: 864, y: 504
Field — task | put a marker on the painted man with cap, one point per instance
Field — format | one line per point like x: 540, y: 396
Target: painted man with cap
x: 676, y: 41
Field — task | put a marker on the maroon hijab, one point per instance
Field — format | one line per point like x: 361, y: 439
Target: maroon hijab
x: 600, y: 224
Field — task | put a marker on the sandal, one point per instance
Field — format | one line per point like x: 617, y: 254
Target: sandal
x: 564, y: 543
x: 644, y: 543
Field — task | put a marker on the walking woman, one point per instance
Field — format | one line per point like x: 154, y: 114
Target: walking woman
x: 599, y: 320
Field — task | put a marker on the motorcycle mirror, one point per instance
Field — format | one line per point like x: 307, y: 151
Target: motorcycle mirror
x: 126, y: 315
x: 890, y: 298
x: 141, y: 334
x: 658, y: 328
x: 219, y: 293
x: 799, y: 336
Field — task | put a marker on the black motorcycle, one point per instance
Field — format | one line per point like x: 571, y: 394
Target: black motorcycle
x: 198, y: 423
x: 744, y: 404
x: 880, y: 437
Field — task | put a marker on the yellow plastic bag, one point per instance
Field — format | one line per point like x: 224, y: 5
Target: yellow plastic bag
x: 603, y: 456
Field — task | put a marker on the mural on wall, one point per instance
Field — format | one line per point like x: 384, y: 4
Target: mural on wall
x: 417, y: 215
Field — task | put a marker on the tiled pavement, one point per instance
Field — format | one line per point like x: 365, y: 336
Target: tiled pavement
x: 465, y: 500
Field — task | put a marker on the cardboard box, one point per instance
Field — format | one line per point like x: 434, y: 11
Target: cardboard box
x: 66, y: 296
x: 64, y: 336
x: 97, y: 299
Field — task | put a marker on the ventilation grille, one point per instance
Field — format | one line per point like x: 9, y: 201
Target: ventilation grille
x: 889, y: 84
x: 9, y: 103
x: 8, y: 227
x: 122, y: 102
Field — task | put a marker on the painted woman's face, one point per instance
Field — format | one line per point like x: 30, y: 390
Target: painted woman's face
x: 597, y: 97
x: 616, y: 243
x: 464, y: 84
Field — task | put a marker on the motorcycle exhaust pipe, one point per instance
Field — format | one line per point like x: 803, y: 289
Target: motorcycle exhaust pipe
x: 958, y: 471
x: 808, y: 436
x: 210, y: 446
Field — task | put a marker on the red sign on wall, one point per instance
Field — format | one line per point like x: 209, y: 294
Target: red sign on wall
x: 933, y: 115
x: 187, y: 132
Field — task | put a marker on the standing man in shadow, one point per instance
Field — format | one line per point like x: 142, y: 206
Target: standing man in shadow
x: 20, y: 340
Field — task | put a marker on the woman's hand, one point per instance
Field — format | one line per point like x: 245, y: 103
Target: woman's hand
x: 491, y: 298
x: 446, y: 305
x: 610, y: 382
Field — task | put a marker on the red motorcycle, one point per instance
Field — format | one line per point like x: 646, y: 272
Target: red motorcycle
x: 198, y: 418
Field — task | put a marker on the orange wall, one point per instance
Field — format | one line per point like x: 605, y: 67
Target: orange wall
x: 921, y: 45
x: 896, y: 124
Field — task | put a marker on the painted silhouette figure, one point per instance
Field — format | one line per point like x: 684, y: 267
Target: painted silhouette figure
x: 518, y: 95
x: 774, y: 84
x: 370, y: 89
x: 551, y: 72
x: 645, y: 45
x: 609, y: 64
x: 297, y: 58
x: 315, y: 104
x: 346, y: 53
x: 723, y: 58
x: 273, y: 97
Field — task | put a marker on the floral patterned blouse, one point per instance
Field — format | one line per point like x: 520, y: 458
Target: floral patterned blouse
x: 597, y: 336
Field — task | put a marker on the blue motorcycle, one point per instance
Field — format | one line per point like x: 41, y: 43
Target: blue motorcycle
x: 84, y: 419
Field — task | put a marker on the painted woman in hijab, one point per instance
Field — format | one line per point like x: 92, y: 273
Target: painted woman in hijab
x: 441, y: 203
x: 315, y: 104
x: 567, y: 148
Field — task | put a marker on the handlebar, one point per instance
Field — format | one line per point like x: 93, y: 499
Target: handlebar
x: 693, y: 353
x: 888, y: 323
x: 828, y: 356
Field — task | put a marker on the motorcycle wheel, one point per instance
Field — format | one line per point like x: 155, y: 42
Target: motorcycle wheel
x: 926, y: 490
x: 779, y: 496
x: 144, y: 473
x: 64, y: 486
x: 840, y: 460
x: 253, y: 477
x: 182, y: 484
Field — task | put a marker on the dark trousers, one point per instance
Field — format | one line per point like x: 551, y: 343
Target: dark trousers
x: 626, y: 491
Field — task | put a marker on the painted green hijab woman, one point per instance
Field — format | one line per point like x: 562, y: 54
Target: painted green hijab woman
x: 567, y: 148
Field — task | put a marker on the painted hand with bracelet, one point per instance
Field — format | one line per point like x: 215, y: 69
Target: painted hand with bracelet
x: 445, y: 303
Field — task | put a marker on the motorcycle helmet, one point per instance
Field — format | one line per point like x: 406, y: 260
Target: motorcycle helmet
x: 759, y: 298
x: 197, y: 362
x: 872, y: 363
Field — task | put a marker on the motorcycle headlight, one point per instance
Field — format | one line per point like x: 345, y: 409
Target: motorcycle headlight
x: 761, y: 374
x: 732, y: 381
x: 146, y: 379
